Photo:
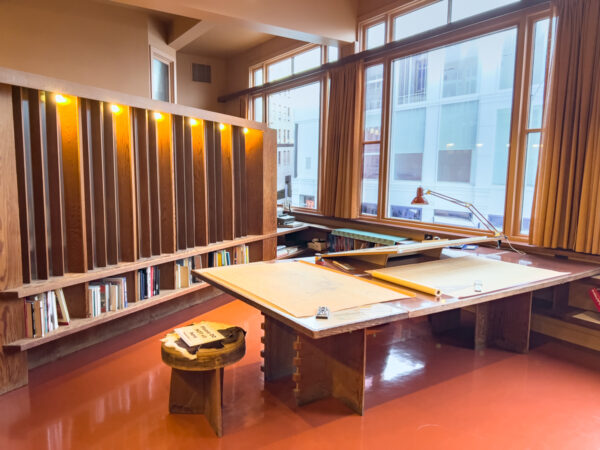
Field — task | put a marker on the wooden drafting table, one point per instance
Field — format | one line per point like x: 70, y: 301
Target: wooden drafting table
x: 328, y: 357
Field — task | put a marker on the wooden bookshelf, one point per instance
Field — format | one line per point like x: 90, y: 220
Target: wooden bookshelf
x: 98, y: 184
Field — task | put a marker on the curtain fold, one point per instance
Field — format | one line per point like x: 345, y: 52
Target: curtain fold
x: 341, y: 177
x: 566, y: 209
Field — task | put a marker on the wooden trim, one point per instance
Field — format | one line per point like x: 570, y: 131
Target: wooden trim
x: 98, y: 161
x: 166, y: 177
x: 141, y: 144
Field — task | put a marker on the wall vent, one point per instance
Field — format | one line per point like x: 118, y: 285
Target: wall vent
x: 201, y: 72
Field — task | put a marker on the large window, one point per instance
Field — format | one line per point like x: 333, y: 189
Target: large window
x: 296, y: 115
x: 445, y: 138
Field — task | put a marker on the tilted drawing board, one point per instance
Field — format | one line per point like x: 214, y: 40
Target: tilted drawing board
x: 379, y: 255
x: 463, y: 276
x: 299, y: 288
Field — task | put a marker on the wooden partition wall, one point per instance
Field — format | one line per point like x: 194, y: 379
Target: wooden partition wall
x: 96, y: 184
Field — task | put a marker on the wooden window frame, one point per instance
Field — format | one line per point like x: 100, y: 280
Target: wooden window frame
x: 523, y: 21
x: 166, y: 59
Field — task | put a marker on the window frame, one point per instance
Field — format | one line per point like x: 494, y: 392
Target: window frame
x: 170, y: 62
x: 524, y: 22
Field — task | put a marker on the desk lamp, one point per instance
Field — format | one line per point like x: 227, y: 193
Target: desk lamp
x: 420, y: 200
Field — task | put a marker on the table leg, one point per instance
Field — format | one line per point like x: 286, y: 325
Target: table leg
x: 278, y: 351
x: 331, y: 366
x: 198, y: 392
x: 445, y: 320
x: 504, y: 323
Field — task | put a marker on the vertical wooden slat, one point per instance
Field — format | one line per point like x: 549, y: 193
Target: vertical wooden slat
x: 211, y: 181
x: 21, y: 178
x: 10, y: 233
x: 218, y: 175
x: 167, y: 275
x: 110, y: 187
x: 239, y: 180
x: 166, y: 184
x: 55, y: 177
x: 39, y: 185
x: 227, y: 187
x: 153, y: 173
x: 200, y: 190
x: 97, y: 157
x: 144, y: 220
x: 126, y: 185
x: 133, y: 286
x: 76, y: 297
x: 87, y: 181
x: 188, y: 162
x: 68, y: 113
x: 180, y: 185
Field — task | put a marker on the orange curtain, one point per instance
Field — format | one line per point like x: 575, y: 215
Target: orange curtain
x: 566, y: 210
x: 341, y: 179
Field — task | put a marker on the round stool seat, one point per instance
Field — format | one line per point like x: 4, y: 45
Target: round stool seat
x: 233, y: 349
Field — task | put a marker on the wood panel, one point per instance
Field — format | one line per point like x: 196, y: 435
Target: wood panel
x: 133, y: 286
x: 128, y: 241
x: 68, y: 113
x: 110, y: 186
x: 239, y: 180
x: 38, y: 174
x: 278, y: 353
x: 211, y: 181
x: 84, y: 115
x: 200, y: 189
x: 13, y: 365
x: 96, y: 127
x: 167, y: 275
x: 140, y: 123
x: 180, y: 182
x: 188, y: 164
x: 21, y: 171
x: 76, y: 299
x: 11, y: 269
x: 56, y: 206
x: 218, y: 161
x: 166, y: 184
x: 153, y: 174
x: 227, y: 183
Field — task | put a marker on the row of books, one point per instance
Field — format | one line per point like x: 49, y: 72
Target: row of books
x: 183, y: 271
x: 343, y: 244
x: 241, y: 255
x: 45, y: 312
x: 149, y: 282
x: 109, y: 294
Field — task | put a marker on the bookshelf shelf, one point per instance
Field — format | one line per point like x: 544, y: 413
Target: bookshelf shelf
x: 78, y: 325
x: 70, y: 279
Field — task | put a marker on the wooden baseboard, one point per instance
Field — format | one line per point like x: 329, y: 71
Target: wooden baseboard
x: 566, y: 331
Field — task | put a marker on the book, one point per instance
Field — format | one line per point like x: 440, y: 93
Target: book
x: 63, y: 312
x: 198, y: 334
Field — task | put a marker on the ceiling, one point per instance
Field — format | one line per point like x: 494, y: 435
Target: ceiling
x: 226, y: 40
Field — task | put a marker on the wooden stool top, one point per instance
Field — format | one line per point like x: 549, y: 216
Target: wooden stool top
x: 175, y: 354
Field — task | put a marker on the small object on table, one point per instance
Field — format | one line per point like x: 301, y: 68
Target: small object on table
x: 197, y: 371
x: 322, y: 312
x: 342, y: 265
x: 478, y: 286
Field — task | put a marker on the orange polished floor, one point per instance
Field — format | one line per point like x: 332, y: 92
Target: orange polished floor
x: 423, y: 392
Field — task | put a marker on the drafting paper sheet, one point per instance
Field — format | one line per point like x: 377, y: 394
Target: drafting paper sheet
x: 457, y: 276
x: 300, y: 288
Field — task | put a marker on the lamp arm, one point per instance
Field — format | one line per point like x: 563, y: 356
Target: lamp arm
x: 468, y: 206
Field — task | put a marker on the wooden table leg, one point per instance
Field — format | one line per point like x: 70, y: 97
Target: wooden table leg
x: 445, y: 320
x: 504, y: 323
x: 198, y: 392
x: 332, y: 366
x: 278, y: 352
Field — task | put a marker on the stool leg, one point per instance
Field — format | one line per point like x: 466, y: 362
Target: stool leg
x: 198, y: 392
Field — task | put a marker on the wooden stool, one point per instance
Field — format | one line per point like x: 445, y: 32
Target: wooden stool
x: 197, y: 384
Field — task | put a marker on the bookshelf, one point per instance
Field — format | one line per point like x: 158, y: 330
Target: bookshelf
x: 98, y: 184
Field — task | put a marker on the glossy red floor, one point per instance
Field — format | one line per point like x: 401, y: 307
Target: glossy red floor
x: 422, y: 392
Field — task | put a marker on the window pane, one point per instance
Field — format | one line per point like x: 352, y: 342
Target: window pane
x: 370, y: 179
x: 420, y: 20
x: 332, y: 54
x: 373, y: 90
x: 538, y: 73
x: 258, y: 77
x: 258, y: 109
x: 467, y: 8
x: 533, y: 152
x: 445, y: 131
x: 375, y: 36
x: 280, y: 69
x: 160, y: 80
x: 295, y: 114
x: 307, y: 60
